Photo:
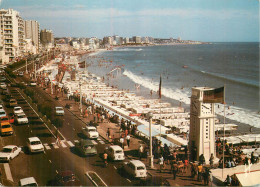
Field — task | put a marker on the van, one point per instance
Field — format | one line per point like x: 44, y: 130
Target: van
x: 135, y: 168
x: 115, y: 152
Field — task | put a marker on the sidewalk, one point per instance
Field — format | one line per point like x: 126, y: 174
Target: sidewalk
x: 182, y: 179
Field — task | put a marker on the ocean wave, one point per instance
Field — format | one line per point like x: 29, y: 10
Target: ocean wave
x: 229, y: 78
x: 232, y: 112
x: 127, y: 49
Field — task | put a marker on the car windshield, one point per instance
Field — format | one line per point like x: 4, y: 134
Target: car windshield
x: 140, y: 168
x: 6, y: 126
x: 7, y: 150
x: 16, y: 109
x: 119, y: 151
x: 35, y: 142
x: 59, y: 109
x: 88, y: 146
x: 92, y: 130
x: 68, y: 178
x: 2, y: 112
x: 31, y: 184
x: 12, y: 101
x: 4, y: 119
x: 21, y: 116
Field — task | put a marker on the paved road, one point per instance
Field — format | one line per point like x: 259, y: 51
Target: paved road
x: 44, y: 166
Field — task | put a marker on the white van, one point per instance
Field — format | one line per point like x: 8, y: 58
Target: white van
x: 115, y: 152
x: 90, y: 132
x: 135, y: 168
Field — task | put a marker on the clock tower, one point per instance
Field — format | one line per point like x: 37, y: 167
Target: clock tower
x: 202, y: 122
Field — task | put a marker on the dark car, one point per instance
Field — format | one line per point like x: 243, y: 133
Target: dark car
x: 154, y: 181
x: 67, y: 178
x: 86, y: 147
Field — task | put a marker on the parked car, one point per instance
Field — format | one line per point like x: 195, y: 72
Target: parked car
x: 3, y: 85
x: 6, y: 119
x: 135, y: 168
x: 2, y: 113
x: 90, y: 132
x: 66, y: 178
x: 21, y: 119
x: 59, y: 111
x: 9, y: 152
x: 20, y: 73
x: 12, y: 102
x: 33, y: 83
x: 1, y: 107
x: 6, y: 129
x: 30, y: 181
x: 35, y: 145
x: 18, y: 110
x: 86, y: 147
x: 115, y: 152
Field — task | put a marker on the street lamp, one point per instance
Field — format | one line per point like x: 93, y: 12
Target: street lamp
x: 150, y: 116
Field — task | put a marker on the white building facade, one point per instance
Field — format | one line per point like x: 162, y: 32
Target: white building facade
x: 32, y: 32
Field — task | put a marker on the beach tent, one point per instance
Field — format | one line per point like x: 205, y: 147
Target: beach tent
x: 248, y: 179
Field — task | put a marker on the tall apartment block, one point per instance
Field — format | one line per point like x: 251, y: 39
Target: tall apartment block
x: 47, y: 39
x: 12, y: 32
x: 32, y: 32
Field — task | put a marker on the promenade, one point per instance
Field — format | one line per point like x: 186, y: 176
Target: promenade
x: 182, y: 179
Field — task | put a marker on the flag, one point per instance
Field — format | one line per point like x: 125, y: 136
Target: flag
x: 160, y: 87
x: 214, y: 96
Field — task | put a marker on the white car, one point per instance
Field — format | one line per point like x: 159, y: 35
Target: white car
x: 9, y: 152
x: 135, y: 168
x: 35, y: 145
x: 18, y: 110
x: 90, y: 132
x: 1, y: 107
x: 21, y: 118
x: 2, y: 113
x: 59, y: 111
x: 33, y: 83
x: 30, y: 181
x: 115, y: 152
x: 2, y: 85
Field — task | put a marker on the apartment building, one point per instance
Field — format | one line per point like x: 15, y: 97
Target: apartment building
x: 47, y: 39
x: 32, y: 32
x: 12, y: 31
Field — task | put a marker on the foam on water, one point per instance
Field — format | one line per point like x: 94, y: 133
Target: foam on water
x: 233, y: 113
x: 127, y: 49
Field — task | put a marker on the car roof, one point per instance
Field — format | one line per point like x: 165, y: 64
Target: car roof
x: 91, y: 127
x: 17, y: 107
x: 137, y: 163
x: 4, y: 117
x: 33, y: 139
x: 116, y: 147
x: 10, y: 146
x: 5, y: 123
x: 2, y: 110
x: 21, y: 114
x: 59, y: 107
x: 86, y: 142
x: 28, y: 180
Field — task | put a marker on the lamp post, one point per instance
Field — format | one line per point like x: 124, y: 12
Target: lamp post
x: 150, y: 116
x: 80, y: 98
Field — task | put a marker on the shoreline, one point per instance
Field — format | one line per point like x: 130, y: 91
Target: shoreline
x: 242, y: 127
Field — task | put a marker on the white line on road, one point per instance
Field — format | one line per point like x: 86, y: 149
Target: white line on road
x: 55, y: 146
x: 115, y: 167
x: 50, y: 161
x: 73, y: 129
x: 128, y: 180
x: 47, y: 146
x: 76, y: 141
x: 8, y: 172
x: 94, y: 142
x: 63, y: 144
x: 102, y: 142
x: 70, y: 144
x: 57, y: 172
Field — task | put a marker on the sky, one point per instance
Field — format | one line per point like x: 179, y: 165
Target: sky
x: 201, y: 20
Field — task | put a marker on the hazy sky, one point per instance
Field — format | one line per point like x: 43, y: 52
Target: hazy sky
x: 204, y: 20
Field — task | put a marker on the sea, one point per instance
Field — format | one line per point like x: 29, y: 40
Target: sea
x: 181, y: 67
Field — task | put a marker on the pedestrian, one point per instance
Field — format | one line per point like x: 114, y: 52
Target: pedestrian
x: 108, y: 132
x: 161, y: 163
x: 122, y: 142
x: 201, y: 159
x: 141, y: 150
x: 200, y: 167
x: 174, y: 170
x: 128, y: 140
x: 211, y: 159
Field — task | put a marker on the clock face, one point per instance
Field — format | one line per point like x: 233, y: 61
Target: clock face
x: 206, y: 108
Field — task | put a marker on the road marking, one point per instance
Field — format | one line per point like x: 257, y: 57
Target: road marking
x: 73, y: 129
x: 63, y: 144
x: 50, y: 161
x: 98, y: 139
x: 31, y: 131
x: 55, y: 146
x: 115, y: 167
x: 68, y: 123
x: 102, y: 142
x: 47, y: 146
x: 76, y: 141
x: 70, y: 144
x: 57, y: 172
x: 8, y: 172
x: 128, y: 180
x: 94, y: 142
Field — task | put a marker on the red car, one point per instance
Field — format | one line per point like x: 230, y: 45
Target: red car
x: 67, y: 178
x: 7, y: 119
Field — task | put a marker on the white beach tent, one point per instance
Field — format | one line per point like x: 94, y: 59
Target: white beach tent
x: 249, y: 179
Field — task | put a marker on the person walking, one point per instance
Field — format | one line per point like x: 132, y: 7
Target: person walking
x: 141, y: 150
x: 105, y: 159
x: 161, y: 163
x: 128, y: 140
x: 211, y: 159
x: 201, y: 159
x: 174, y: 170
x: 200, y: 167
x: 108, y: 133
x: 122, y: 142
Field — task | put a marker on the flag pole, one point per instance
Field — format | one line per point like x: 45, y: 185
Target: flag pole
x: 224, y: 132
x: 160, y: 96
